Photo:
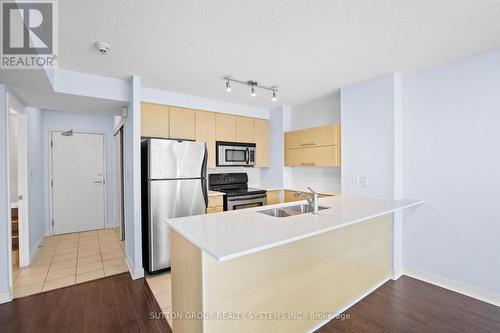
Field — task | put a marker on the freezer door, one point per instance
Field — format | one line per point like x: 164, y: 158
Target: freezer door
x: 170, y: 159
x: 169, y: 199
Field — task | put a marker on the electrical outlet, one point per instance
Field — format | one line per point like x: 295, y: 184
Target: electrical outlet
x: 364, y: 182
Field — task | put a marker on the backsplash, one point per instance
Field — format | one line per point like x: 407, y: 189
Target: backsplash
x: 325, y: 179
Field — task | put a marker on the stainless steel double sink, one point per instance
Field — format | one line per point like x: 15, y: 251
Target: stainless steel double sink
x: 289, y: 210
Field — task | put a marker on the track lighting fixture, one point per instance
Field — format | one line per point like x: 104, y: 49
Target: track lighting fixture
x: 253, y: 85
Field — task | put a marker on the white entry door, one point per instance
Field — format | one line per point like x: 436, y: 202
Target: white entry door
x: 78, y: 182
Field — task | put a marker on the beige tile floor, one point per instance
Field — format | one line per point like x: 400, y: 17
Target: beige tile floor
x: 160, y: 285
x: 68, y: 259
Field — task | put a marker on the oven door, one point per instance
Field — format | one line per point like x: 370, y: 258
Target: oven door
x: 246, y: 201
x: 235, y: 154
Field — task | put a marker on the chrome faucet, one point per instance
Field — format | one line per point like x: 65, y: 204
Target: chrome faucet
x: 312, y: 199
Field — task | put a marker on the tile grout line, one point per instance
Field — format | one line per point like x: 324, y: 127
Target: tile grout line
x: 50, y: 263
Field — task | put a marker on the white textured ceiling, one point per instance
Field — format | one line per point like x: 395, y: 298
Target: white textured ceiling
x: 308, y: 48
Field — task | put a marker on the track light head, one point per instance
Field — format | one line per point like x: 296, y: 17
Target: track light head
x: 252, y: 92
x: 228, y: 86
x: 275, y: 98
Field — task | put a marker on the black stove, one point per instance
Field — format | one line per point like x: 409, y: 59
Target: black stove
x: 237, y: 193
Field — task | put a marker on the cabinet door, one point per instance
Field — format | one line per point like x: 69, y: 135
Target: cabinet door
x: 273, y: 197
x: 225, y: 127
x: 154, y: 120
x: 205, y: 132
x: 261, y: 135
x: 290, y: 196
x: 313, y: 157
x: 319, y: 136
x: 292, y: 139
x: 244, y: 129
x: 182, y: 123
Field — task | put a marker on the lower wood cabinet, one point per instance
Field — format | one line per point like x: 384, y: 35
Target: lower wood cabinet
x: 215, y: 204
x: 273, y: 197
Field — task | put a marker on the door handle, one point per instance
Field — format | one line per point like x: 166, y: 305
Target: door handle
x: 98, y: 181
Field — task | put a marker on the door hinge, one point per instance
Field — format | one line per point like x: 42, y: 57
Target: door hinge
x: 104, y: 181
x: 51, y: 143
x: 20, y: 197
x: 52, y: 222
x: 51, y: 183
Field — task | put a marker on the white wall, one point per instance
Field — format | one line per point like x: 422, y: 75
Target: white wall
x: 318, y: 112
x: 451, y: 134
x: 91, y: 122
x: 36, y: 178
x: 132, y: 180
x: 273, y: 176
x: 201, y: 103
x: 5, y: 294
x: 368, y: 136
x: 13, y: 158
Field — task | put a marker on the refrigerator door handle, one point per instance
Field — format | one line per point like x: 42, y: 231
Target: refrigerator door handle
x: 204, y: 177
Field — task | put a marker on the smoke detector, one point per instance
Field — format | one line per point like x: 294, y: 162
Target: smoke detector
x: 102, y: 47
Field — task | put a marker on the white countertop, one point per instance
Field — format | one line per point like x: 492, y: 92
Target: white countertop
x: 237, y: 233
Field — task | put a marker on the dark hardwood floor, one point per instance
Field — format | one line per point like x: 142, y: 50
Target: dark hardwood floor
x: 120, y: 304
x: 113, y: 304
x: 409, y: 305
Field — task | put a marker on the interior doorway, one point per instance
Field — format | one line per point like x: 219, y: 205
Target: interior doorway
x: 77, y: 181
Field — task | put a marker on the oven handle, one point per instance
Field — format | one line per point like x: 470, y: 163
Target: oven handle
x: 248, y: 155
x: 247, y: 197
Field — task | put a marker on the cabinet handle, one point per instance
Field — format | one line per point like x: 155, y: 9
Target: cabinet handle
x: 311, y: 164
x: 307, y: 144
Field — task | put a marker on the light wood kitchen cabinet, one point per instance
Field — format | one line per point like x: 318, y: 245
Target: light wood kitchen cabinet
x: 313, y: 147
x: 215, y: 204
x: 205, y: 132
x: 273, y: 197
x: 154, y: 120
x: 312, y: 157
x: 328, y: 135
x: 182, y: 123
x: 244, y: 129
x: 225, y: 127
x: 261, y: 136
x: 290, y: 196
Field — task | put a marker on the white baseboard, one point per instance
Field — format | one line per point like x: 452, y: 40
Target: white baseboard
x: 6, y: 296
x: 350, y: 304
x: 134, y: 273
x: 461, y: 288
x: 397, y: 273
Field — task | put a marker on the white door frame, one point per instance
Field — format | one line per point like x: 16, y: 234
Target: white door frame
x: 50, y: 177
x: 22, y: 175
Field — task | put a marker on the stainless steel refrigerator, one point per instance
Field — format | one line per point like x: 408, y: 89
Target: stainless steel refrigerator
x: 173, y: 185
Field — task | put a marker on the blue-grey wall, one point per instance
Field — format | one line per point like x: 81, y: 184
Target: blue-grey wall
x: 89, y: 122
x: 451, y: 135
x: 36, y: 181
x: 4, y: 198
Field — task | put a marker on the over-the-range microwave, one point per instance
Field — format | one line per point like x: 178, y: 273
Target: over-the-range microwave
x: 235, y: 153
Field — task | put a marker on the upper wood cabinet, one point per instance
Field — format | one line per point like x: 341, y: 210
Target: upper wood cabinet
x: 328, y: 135
x: 154, y: 120
x: 261, y: 136
x: 225, y: 127
x: 244, y: 129
x: 319, y: 146
x: 182, y: 123
x: 205, y: 132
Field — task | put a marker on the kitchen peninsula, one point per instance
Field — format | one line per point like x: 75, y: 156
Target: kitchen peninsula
x: 237, y: 271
